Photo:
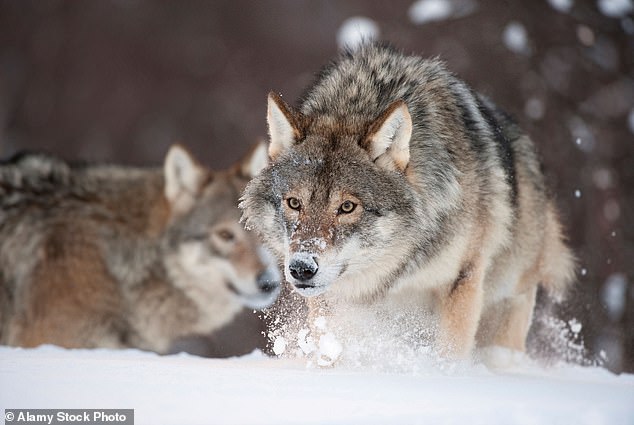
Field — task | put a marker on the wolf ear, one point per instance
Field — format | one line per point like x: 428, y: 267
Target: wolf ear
x: 184, y: 178
x: 255, y: 161
x: 284, y: 125
x: 388, y: 137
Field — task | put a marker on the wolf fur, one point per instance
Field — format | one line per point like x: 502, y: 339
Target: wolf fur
x: 112, y: 256
x: 393, y: 182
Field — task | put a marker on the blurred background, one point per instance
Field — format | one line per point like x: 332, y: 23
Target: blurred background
x: 120, y: 81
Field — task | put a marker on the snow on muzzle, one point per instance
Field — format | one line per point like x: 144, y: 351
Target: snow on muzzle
x: 303, y: 272
x: 303, y: 268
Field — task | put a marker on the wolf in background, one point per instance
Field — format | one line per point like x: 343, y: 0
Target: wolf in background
x: 112, y: 256
x: 394, y: 184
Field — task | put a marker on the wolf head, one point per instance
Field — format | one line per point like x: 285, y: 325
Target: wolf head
x: 335, y: 204
x: 210, y: 253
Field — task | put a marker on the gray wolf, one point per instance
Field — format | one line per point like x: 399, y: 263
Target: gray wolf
x: 393, y: 182
x: 95, y: 255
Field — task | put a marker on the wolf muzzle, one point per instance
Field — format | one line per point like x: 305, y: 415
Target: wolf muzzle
x: 267, y: 281
x: 303, y: 269
x: 301, y: 272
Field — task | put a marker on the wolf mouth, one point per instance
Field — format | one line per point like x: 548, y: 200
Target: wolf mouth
x: 258, y: 300
x: 309, y: 291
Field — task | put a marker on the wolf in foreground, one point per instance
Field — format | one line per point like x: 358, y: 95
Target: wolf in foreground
x: 110, y: 256
x: 394, y: 183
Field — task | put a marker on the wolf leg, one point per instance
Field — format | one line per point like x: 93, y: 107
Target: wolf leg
x: 460, y: 314
x: 514, y: 320
x: 503, y: 329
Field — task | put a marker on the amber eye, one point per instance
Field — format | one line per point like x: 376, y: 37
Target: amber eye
x: 347, y: 207
x: 226, y: 235
x: 293, y: 203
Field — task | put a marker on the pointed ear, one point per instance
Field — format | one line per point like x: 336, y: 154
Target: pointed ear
x: 388, y: 137
x: 184, y: 178
x: 284, y: 125
x: 255, y: 161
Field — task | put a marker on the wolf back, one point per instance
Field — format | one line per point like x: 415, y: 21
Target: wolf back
x: 394, y: 180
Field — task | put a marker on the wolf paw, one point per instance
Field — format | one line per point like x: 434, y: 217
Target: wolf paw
x: 498, y: 358
x: 329, y: 350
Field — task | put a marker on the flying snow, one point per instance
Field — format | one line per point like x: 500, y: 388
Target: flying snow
x: 615, y: 8
x: 355, y: 31
x: 305, y: 342
x: 534, y: 108
x: 575, y: 326
x: 585, y: 35
x: 582, y: 134
x: 515, y: 38
x: 563, y: 6
x: 329, y: 350
x: 429, y: 10
x: 279, y: 346
x: 613, y: 294
x: 424, y: 11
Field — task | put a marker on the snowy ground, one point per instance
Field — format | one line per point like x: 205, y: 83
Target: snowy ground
x: 184, y: 389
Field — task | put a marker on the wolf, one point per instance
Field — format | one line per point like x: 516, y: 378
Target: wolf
x: 95, y: 255
x: 393, y: 183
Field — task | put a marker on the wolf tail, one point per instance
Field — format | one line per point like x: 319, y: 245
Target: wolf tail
x: 558, y: 264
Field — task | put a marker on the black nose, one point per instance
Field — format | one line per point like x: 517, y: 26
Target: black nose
x: 266, y: 282
x: 302, y: 270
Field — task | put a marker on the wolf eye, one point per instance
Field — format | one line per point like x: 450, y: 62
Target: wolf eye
x: 347, y: 207
x: 293, y: 203
x: 226, y: 235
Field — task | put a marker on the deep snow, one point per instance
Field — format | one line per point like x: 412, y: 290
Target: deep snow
x: 183, y: 389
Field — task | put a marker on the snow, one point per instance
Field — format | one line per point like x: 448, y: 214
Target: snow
x: 585, y: 35
x: 429, y: 10
x: 563, y: 6
x: 356, y: 30
x: 515, y: 38
x: 613, y: 295
x: 329, y: 349
x: 305, y: 342
x: 321, y: 323
x: 534, y: 108
x: 279, y: 345
x: 582, y: 134
x: 256, y: 389
x: 313, y: 243
x: 575, y: 326
x: 615, y: 8
x: 423, y: 11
